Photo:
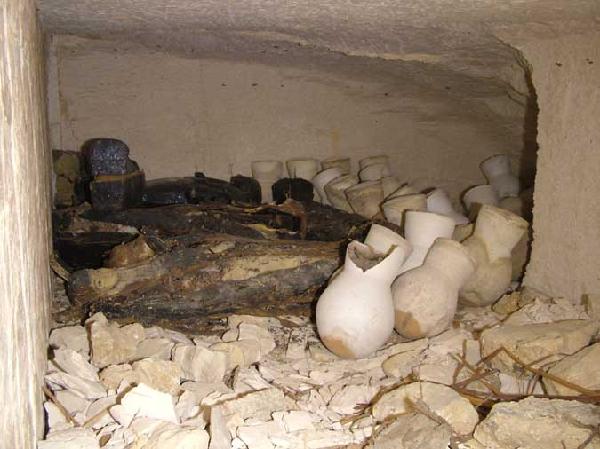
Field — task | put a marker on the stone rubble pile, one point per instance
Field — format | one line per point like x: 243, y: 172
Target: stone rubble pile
x: 270, y: 383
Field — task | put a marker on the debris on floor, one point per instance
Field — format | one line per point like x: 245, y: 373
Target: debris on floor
x: 268, y: 382
x: 475, y: 362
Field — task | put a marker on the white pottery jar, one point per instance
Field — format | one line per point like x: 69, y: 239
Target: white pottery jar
x: 365, y: 198
x: 498, y: 173
x: 322, y: 179
x: 303, y: 168
x: 421, y: 229
x: 439, y: 202
x: 267, y: 173
x: 382, y: 240
x: 379, y: 159
x: 343, y: 164
x: 425, y: 298
x: 482, y: 194
x: 336, y: 191
x: 374, y: 172
x: 496, y: 233
x: 394, y: 209
x: 355, y: 313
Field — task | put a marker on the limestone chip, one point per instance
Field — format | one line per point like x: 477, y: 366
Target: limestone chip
x: 440, y: 399
x: 161, y: 375
x: 77, y: 438
x: 580, y: 369
x: 74, y: 363
x: 535, y: 423
x: 84, y: 388
x: 112, y: 344
x: 143, y: 401
x: 112, y: 376
x: 536, y: 343
x: 200, y: 364
x: 156, y: 348
x: 70, y: 337
x: 413, y: 431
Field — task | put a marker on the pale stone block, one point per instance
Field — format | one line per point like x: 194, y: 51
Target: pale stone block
x: 112, y: 345
x: 70, y: 337
x: 532, y: 343
x: 440, y: 399
x: 200, y: 364
x: 535, y: 423
x: 74, y: 363
x: 144, y: 401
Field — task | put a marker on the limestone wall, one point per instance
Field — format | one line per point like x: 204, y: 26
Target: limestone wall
x: 24, y: 229
x: 181, y: 115
x: 566, y: 224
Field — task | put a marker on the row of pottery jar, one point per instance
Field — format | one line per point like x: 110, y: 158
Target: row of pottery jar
x: 414, y: 283
x: 269, y: 172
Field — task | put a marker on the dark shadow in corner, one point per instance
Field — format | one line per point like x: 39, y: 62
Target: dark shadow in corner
x: 530, y: 130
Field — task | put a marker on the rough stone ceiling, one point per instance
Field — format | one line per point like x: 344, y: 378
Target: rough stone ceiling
x: 423, y: 30
x: 430, y: 44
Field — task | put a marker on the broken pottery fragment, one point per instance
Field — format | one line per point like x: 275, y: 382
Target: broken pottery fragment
x: 439, y: 399
x: 383, y: 239
x: 365, y: 198
x: 425, y: 298
x: 112, y: 344
x: 580, y: 369
x: 535, y: 423
x: 355, y: 312
x: 413, y: 431
x: 421, y: 229
x: 537, y: 344
x: 498, y: 173
x: 323, y: 178
x: 496, y: 233
x: 200, y: 364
